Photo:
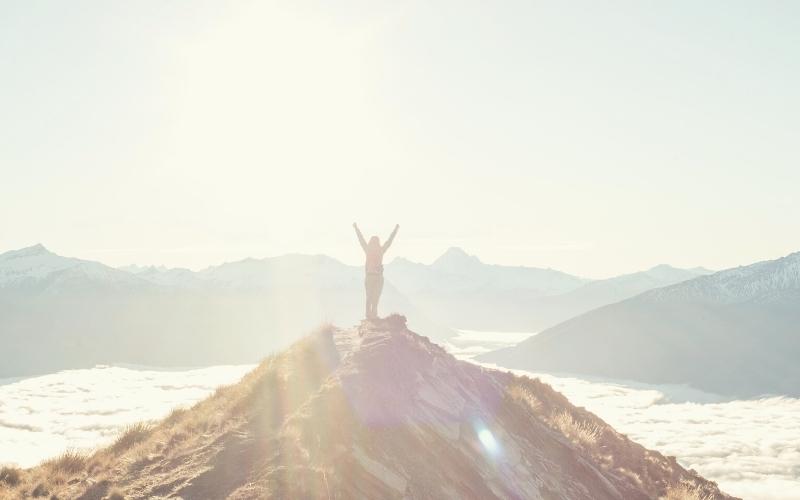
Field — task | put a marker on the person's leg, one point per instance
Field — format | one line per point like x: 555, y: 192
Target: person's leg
x: 376, y: 297
x: 368, y: 296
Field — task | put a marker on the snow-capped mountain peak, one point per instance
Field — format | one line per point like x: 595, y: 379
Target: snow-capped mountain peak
x: 37, y: 268
x: 762, y: 280
x: 32, y: 251
x: 34, y: 263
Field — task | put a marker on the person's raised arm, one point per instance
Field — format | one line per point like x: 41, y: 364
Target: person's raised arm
x: 391, y: 238
x: 360, y: 237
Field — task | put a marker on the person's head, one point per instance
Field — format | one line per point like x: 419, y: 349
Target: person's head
x: 374, y: 242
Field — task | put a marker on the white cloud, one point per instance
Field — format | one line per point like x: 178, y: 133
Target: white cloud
x: 751, y: 448
x: 42, y: 416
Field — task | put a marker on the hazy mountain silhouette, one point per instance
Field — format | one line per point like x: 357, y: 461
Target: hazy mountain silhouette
x: 58, y: 313
x: 735, y: 332
x: 461, y: 291
x: 36, y: 270
x: 373, y: 412
x: 549, y: 311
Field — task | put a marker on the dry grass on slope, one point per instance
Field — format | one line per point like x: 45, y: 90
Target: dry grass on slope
x: 10, y: 477
x: 686, y: 492
x: 661, y: 476
x: 175, y: 445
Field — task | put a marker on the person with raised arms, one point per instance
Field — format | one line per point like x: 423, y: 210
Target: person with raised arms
x: 373, y: 280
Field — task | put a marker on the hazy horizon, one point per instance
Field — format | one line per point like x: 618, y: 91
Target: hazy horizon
x: 358, y: 263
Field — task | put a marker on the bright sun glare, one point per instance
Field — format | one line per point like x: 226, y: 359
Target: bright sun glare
x: 489, y: 442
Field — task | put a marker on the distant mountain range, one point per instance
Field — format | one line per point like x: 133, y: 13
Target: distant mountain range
x: 58, y: 312
x: 463, y: 292
x: 36, y: 270
x: 735, y: 332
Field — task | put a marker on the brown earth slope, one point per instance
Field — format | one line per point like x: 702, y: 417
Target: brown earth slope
x: 371, y: 412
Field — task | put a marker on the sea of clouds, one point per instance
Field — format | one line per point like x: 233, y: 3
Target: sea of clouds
x: 750, y: 447
x: 41, y: 417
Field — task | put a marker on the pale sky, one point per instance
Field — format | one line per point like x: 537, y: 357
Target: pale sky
x: 595, y: 138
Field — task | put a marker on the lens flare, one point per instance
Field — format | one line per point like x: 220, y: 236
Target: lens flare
x: 489, y: 442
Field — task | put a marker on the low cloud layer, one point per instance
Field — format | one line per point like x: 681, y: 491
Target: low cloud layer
x: 42, y: 416
x: 751, y: 448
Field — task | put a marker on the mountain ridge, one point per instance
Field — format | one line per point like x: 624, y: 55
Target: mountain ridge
x: 374, y: 411
x: 733, y: 333
x: 37, y: 269
x: 466, y: 293
x: 742, y: 283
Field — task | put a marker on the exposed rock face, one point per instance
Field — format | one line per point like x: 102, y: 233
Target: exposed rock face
x: 380, y: 412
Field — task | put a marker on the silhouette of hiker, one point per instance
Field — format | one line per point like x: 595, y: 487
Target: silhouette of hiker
x: 373, y: 281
